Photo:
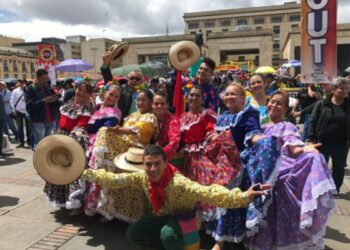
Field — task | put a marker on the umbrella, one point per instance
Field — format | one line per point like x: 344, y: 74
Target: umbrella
x: 73, y: 65
x: 292, y: 63
x: 157, y: 68
x: 265, y: 70
x: 125, y: 70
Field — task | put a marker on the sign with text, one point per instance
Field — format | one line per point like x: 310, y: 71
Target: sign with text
x: 318, y: 41
x: 46, y: 60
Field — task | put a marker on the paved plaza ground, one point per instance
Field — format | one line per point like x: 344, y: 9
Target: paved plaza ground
x: 28, y: 222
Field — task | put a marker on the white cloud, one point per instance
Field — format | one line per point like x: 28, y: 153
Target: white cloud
x: 34, y: 19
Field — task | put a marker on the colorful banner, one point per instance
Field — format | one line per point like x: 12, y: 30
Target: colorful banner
x: 318, y: 41
x: 46, y: 60
x: 227, y: 67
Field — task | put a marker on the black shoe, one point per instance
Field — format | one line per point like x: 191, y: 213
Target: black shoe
x: 21, y: 145
x: 335, y: 193
x: 4, y: 155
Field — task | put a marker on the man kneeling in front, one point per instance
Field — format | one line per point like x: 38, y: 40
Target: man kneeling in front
x: 173, y: 198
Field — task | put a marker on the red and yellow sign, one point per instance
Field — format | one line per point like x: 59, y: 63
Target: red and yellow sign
x: 227, y: 67
x: 47, y: 60
x: 318, y: 41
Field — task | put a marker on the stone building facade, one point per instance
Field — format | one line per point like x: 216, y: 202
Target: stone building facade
x: 17, y: 63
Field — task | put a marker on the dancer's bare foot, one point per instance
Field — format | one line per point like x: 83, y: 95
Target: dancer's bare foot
x: 219, y: 245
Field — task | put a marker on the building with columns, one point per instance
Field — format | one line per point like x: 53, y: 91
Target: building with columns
x: 266, y: 35
x: 17, y: 63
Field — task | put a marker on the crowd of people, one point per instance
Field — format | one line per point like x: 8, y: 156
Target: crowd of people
x: 238, y: 130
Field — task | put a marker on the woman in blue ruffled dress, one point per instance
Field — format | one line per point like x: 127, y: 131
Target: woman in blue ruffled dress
x: 243, y: 125
x: 295, y: 214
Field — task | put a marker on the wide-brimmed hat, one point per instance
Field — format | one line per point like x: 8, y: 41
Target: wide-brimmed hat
x: 183, y: 54
x: 118, y: 51
x: 131, y: 161
x: 59, y: 159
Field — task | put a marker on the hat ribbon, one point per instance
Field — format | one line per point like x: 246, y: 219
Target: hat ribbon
x: 133, y: 162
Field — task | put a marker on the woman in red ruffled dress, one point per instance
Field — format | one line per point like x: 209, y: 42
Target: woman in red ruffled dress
x: 206, y: 161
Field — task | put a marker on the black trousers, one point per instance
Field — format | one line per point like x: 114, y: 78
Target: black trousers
x: 338, y: 155
x: 22, y: 118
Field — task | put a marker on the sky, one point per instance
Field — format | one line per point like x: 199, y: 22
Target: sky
x: 114, y: 19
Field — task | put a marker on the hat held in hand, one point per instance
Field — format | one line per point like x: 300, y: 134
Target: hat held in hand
x: 118, y: 51
x: 183, y: 54
x: 59, y: 159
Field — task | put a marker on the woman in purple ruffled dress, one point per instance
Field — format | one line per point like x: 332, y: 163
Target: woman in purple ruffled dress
x: 296, y: 214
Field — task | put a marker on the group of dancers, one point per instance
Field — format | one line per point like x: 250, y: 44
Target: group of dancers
x: 242, y: 146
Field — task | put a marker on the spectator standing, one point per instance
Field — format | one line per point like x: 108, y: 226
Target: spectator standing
x: 330, y: 125
x: 9, y: 123
x: 307, y: 96
x: 2, y: 120
x: 19, y: 111
x: 42, y: 106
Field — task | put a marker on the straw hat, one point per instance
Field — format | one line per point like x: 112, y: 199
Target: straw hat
x: 131, y: 161
x: 183, y: 54
x: 59, y: 159
x: 118, y: 51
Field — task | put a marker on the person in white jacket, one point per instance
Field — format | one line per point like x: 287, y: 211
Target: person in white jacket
x: 18, y: 105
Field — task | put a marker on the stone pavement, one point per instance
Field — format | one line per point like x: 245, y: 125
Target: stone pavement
x: 28, y: 222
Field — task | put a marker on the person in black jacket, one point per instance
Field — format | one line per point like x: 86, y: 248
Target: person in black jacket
x: 127, y: 101
x: 42, y: 106
x: 330, y: 125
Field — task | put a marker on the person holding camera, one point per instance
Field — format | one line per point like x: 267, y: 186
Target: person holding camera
x: 20, y: 114
x: 42, y: 106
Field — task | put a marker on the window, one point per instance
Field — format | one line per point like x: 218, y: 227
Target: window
x: 276, y: 47
x: 241, y: 58
x: 256, y: 60
x: 24, y: 66
x: 295, y: 26
x: 6, y: 66
x: 32, y: 67
x: 193, y: 33
x: 275, y: 57
x: 276, y: 30
x: 15, y: 67
x: 224, y: 30
x: 242, y: 22
x: 159, y: 58
x: 259, y: 20
x: 209, y: 24
x: 24, y: 76
x: 7, y: 75
x: 225, y: 23
x: 294, y: 18
x: 258, y: 28
x: 193, y: 25
x: 15, y: 76
x: 276, y: 19
x: 142, y: 59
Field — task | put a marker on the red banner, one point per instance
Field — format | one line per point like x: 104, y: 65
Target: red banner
x: 46, y: 60
x: 318, y: 41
